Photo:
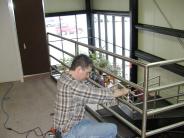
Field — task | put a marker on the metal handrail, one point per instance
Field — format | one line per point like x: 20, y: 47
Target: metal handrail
x: 136, y: 129
x: 155, y: 77
x: 130, y: 105
x: 166, y: 86
x: 165, y: 62
x: 166, y: 108
x: 145, y: 112
x: 121, y: 79
x: 137, y: 95
x: 166, y: 128
x: 158, y: 99
x: 111, y: 74
x: 136, y: 62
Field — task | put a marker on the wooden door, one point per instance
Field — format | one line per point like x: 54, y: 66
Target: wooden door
x: 31, y: 32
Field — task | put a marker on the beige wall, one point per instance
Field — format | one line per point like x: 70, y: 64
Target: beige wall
x: 112, y: 5
x: 10, y: 62
x: 157, y: 44
x: 164, y: 46
x: 173, y: 9
x: 52, y: 6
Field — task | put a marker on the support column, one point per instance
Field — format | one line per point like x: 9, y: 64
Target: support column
x: 133, y: 37
x: 90, y: 27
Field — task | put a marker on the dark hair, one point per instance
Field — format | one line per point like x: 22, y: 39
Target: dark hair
x: 81, y: 60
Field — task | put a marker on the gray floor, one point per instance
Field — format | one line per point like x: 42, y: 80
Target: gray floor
x: 28, y: 105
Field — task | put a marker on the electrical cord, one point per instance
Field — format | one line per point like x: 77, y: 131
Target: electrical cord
x: 27, y: 132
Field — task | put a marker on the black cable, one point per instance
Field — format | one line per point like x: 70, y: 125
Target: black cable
x: 27, y: 132
x: 2, y: 105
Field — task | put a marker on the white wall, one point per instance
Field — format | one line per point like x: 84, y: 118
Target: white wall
x: 52, y: 6
x: 112, y: 5
x: 10, y: 62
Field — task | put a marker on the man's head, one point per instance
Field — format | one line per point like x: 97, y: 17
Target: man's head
x: 81, y: 67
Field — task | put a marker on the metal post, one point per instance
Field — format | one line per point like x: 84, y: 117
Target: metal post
x: 133, y: 7
x: 159, y: 81
x: 144, y: 118
x: 76, y: 49
x: 178, y: 94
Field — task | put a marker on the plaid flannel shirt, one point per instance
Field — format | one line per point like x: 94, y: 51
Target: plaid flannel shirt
x: 71, y: 99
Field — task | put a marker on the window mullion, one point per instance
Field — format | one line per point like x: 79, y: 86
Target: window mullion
x: 106, y: 38
x: 114, y: 39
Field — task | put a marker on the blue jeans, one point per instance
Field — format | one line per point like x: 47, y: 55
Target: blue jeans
x: 92, y: 129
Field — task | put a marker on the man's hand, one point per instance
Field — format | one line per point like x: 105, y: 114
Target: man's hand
x: 120, y: 92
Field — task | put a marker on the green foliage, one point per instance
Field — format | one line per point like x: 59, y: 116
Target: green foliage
x: 100, y: 61
x: 115, y: 70
x: 67, y: 61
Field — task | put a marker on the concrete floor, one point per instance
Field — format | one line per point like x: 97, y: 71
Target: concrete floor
x: 28, y: 105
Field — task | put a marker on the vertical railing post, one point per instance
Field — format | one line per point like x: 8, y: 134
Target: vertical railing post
x: 144, y: 118
x: 178, y: 94
x: 159, y: 81
x: 49, y: 53
x: 76, y: 49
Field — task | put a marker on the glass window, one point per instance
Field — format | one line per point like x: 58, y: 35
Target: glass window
x: 118, y: 34
x: 102, y: 31
x: 83, y: 50
x: 95, y: 16
x: 72, y: 26
x: 69, y: 47
x: 118, y: 39
x: 127, y: 46
x: 82, y: 28
x: 110, y: 59
x: 56, y: 53
x: 110, y: 31
x: 68, y: 26
x: 109, y: 34
x: 82, y: 32
x: 119, y: 67
x: 97, y: 42
x: 52, y: 26
x: 127, y: 35
x: 110, y: 47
